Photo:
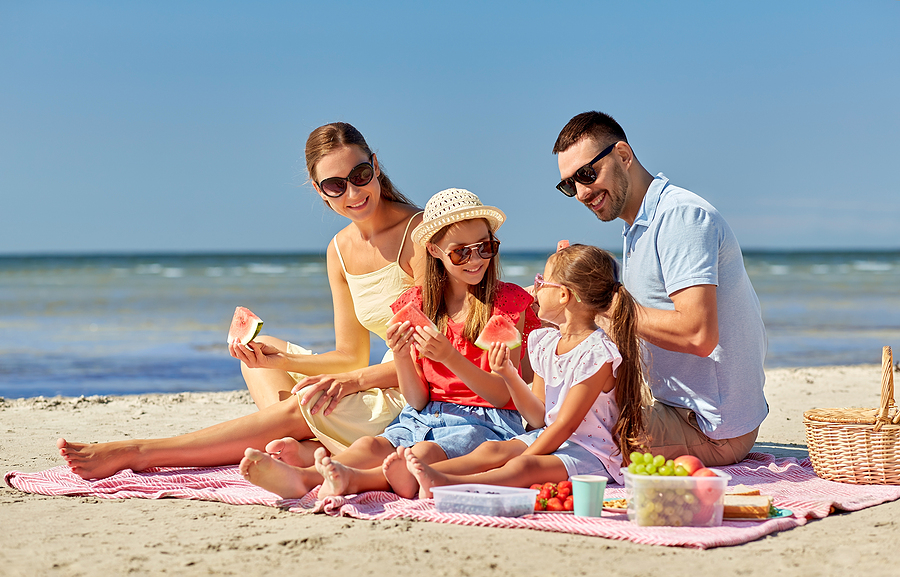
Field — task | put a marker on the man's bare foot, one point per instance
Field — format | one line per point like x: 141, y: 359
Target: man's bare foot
x: 425, y: 475
x: 284, y: 480
x: 398, y: 476
x: 99, y: 460
x: 337, y: 478
x: 293, y: 452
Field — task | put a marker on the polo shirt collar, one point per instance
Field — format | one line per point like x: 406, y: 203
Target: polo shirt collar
x: 648, y: 206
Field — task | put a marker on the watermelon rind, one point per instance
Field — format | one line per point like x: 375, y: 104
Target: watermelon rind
x: 245, y: 326
x: 499, y: 329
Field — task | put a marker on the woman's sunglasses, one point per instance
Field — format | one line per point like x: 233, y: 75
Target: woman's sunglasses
x: 486, y: 249
x: 361, y: 175
x: 584, y: 175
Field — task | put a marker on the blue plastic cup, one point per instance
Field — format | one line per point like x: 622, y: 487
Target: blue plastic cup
x: 588, y: 491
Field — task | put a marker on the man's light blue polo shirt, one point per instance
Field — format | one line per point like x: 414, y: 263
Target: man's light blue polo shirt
x: 679, y: 240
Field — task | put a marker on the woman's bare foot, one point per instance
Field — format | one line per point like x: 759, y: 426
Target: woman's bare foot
x: 425, y: 475
x: 337, y: 478
x: 284, y: 480
x: 99, y: 460
x: 293, y: 452
x: 398, y: 476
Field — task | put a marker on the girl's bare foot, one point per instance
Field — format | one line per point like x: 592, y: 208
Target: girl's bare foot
x: 425, y: 475
x: 293, y: 452
x: 99, y: 460
x: 336, y: 477
x: 398, y: 476
x: 280, y: 478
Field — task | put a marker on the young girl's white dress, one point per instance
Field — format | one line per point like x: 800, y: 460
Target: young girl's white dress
x: 561, y: 372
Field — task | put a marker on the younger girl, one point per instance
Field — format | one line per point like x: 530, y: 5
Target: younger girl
x: 455, y: 402
x: 587, y: 392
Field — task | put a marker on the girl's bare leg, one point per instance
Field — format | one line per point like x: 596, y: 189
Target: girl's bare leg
x: 342, y: 478
x: 522, y: 471
x: 222, y: 444
x: 268, y: 386
x: 488, y: 455
x: 293, y: 452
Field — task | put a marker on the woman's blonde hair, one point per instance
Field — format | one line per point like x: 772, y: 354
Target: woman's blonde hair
x: 481, y: 301
x: 326, y: 139
x: 593, y: 274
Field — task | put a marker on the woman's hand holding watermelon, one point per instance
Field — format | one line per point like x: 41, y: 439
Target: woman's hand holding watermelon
x: 259, y: 355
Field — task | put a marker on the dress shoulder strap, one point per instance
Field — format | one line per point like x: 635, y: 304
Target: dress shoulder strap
x: 338, y: 250
x: 406, y: 232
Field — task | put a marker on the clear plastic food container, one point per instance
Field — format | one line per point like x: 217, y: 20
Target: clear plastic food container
x: 676, y: 501
x: 478, y: 499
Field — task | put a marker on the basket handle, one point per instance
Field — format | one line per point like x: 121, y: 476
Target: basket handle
x: 887, y: 387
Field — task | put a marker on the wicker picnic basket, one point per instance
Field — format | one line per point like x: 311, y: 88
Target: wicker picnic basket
x: 860, y: 446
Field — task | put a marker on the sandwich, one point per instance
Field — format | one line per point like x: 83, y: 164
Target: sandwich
x: 748, y: 507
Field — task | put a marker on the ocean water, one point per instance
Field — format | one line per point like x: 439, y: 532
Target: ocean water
x: 87, y: 325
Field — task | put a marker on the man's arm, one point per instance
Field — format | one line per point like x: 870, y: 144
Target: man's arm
x: 693, y: 327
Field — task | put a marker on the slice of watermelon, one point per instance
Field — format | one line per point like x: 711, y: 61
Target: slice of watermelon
x: 499, y: 329
x: 414, y: 315
x: 244, y: 326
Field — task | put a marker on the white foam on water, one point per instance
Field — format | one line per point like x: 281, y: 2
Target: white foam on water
x: 172, y: 272
x: 263, y: 268
x: 872, y: 266
x: 779, y: 269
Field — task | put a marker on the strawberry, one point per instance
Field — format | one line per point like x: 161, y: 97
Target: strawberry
x: 551, y: 487
x: 555, y: 504
x: 569, y: 503
x: 540, y: 504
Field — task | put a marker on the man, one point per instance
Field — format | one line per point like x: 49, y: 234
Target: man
x: 699, y: 314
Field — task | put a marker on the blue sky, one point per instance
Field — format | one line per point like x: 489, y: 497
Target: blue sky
x: 180, y: 126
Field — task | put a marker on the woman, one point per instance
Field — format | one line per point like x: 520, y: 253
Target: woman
x: 370, y: 262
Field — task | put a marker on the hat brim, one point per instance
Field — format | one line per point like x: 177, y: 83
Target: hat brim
x: 423, y: 233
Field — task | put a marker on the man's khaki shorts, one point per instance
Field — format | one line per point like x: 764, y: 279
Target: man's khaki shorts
x: 674, y: 432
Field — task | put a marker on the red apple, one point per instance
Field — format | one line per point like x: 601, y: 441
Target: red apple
x: 704, y: 472
x: 690, y: 463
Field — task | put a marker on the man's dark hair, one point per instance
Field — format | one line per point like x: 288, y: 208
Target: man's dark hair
x: 600, y: 127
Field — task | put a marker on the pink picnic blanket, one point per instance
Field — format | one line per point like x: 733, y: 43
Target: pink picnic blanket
x: 792, y: 483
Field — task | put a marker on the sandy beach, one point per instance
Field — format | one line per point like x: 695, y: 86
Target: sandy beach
x: 89, y: 536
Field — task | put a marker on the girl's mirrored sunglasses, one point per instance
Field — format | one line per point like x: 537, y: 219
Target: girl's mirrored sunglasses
x: 486, y: 249
x: 584, y: 175
x: 361, y: 175
x: 540, y: 282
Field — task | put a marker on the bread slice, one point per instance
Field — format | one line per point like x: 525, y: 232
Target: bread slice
x: 747, y: 507
x: 741, y: 490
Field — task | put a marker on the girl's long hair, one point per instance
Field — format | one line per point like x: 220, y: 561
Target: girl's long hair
x: 593, y: 274
x: 326, y: 139
x: 481, y: 296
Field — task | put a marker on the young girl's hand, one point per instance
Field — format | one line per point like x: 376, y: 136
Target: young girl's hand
x: 498, y: 357
x: 433, y: 344
x: 399, y: 337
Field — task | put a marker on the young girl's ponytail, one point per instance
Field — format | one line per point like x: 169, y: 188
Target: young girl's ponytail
x: 593, y: 274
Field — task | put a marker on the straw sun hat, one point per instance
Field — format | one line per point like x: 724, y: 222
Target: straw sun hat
x: 454, y: 205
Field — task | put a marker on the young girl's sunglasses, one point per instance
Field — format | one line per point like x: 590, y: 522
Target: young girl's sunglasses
x: 361, y: 175
x: 540, y: 282
x: 584, y: 175
x: 486, y: 249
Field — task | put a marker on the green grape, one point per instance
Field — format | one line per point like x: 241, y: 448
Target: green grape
x: 670, y: 463
x: 659, y: 461
x: 651, y: 468
x: 648, y: 458
x: 640, y: 469
x: 632, y: 467
x: 636, y: 457
x: 681, y: 471
x: 666, y: 471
